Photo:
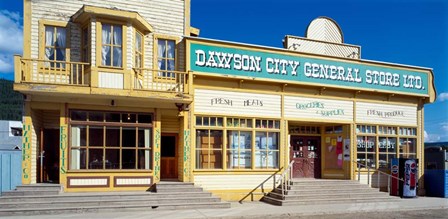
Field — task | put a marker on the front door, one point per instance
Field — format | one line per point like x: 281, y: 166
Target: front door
x: 168, y: 166
x: 48, y: 158
x: 305, y: 151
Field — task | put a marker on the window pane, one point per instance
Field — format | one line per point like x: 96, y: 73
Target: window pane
x: 112, y: 159
x: 128, y: 137
x: 78, y: 159
x: 117, y: 57
x: 79, y: 115
x: 199, y: 120
x: 366, y: 143
x: 112, y: 136
x: 117, y: 35
x: 144, y: 138
x: 202, y: 159
x: 49, y: 36
x: 387, y: 144
x: 138, y: 42
x: 78, y: 136
x: 96, y: 136
x: 106, y: 33
x: 171, y: 66
x: 260, y: 140
x: 107, y: 55
x: 242, y: 140
x: 272, y: 157
x: 128, y: 159
x: 273, y: 141
x: 129, y: 117
x: 171, y: 49
x: 241, y: 159
x: 161, y: 47
x: 144, y: 159
x: 202, y: 139
x: 407, y: 145
x: 215, y: 159
x: 142, y: 118
x: 216, y: 139
x: 96, y: 159
x: 96, y: 116
x: 112, y: 117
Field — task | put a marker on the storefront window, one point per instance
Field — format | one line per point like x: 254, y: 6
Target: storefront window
x: 266, y: 149
x: 239, y: 153
x: 209, y: 149
x: 366, y: 146
x: 387, y: 147
x: 244, y: 138
x: 407, y: 147
x: 110, y: 140
x: 392, y: 142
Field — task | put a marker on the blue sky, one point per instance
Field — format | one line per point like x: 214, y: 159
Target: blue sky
x: 413, y: 32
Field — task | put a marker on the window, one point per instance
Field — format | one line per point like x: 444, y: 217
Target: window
x: 110, y: 140
x: 366, y: 146
x: 55, y: 45
x: 111, y: 50
x: 387, y: 142
x: 247, y: 140
x: 166, y: 59
x: 138, y: 50
x: 85, y: 45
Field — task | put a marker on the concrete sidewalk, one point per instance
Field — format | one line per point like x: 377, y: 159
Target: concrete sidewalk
x: 262, y: 210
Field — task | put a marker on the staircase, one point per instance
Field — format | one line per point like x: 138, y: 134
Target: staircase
x: 321, y: 191
x: 49, y: 199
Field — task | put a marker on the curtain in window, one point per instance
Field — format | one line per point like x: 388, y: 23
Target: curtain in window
x: 117, y: 46
x: 162, y: 54
x: 105, y: 52
x: 170, y: 55
x: 49, y: 42
x: 60, y: 44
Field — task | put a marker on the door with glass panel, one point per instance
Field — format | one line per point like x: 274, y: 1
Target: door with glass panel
x: 168, y: 166
x: 305, y: 151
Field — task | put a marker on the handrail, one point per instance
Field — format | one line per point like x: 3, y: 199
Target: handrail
x: 56, y: 61
x: 285, y: 178
x: 389, y: 176
x: 261, y: 185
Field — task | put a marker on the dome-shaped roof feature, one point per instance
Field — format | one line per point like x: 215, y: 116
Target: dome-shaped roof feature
x: 324, y: 29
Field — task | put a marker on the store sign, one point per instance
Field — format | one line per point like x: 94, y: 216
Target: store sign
x: 269, y: 65
x: 237, y: 103
x: 315, y: 108
x: 387, y: 114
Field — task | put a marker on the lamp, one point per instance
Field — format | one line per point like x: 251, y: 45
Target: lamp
x: 179, y: 106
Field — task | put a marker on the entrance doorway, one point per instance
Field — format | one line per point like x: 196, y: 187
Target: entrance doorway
x: 305, y: 151
x: 48, y: 159
x: 168, y: 166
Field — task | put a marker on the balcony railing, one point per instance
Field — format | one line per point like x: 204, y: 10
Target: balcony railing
x: 161, y: 80
x: 82, y: 74
x: 53, y: 72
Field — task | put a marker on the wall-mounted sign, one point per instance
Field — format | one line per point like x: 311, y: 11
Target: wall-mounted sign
x: 376, y: 113
x: 236, y: 103
x: 314, y: 108
x: 237, y: 61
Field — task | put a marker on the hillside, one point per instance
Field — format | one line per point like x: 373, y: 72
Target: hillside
x: 11, y: 102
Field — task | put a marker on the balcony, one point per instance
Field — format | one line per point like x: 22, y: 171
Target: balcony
x: 77, y: 78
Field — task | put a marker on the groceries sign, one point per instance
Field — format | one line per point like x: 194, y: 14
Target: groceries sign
x: 297, y: 68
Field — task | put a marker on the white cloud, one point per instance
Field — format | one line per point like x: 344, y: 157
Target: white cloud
x: 444, y: 126
x: 431, y: 137
x: 11, y: 39
x: 442, y: 97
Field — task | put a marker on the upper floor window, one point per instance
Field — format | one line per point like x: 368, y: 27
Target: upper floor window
x: 85, y: 45
x: 138, y: 50
x: 55, y: 43
x: 166, y: 57
x: 111, y: 50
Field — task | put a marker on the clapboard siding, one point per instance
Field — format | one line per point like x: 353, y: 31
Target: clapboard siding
x: 170, y: 124
x: 319, y: 109
x: 268, y: 105
x: 388, y: 114
x: 231, y: 182
x: 166, y: 17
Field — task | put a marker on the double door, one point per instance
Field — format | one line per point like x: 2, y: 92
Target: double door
x: 306, y: 153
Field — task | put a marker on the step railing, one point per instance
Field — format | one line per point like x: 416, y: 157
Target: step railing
x: 262, y: 186
x: 285, y: 179
x: 389, y: 176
